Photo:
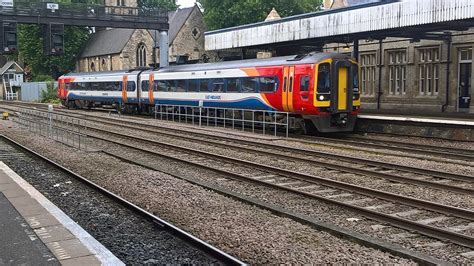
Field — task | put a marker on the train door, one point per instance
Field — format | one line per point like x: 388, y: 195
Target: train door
x: 288, y: 83
x: 124, y: 89
x: 342, y: 96
x: 464, y: 81
x: 151, y: 83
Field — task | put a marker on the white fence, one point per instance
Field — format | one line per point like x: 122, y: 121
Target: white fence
x: 266, y: 122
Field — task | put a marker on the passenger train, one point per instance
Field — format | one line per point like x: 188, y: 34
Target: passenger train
x: 319, y: 90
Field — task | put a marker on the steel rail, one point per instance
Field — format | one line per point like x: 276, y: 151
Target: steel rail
x: 449, y: 210
x: 424, y: 149
x: 187, y: 237
x: 333, y: 166
x: 384, y: 165
x: 428, y: 230
x: 438, y: 174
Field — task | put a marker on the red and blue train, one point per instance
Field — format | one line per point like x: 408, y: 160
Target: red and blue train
x: 319, y: 90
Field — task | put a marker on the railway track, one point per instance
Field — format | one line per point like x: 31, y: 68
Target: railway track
x: 315, y: 187
x: 312, y: 186
x: 208, y: 249
x: 397, y: 173
x: 429, y: 150
x: 411, y: 150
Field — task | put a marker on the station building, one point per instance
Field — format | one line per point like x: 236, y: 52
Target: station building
x: 414, y: 57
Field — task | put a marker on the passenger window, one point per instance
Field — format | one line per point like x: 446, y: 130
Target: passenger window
x: 181, y: 85
x: 117, y: 86
x: 204, y: 85
x: 304, y: 83
x: 131, y: 86
x: 324, y: 78
x: 217, y: 85
x: 193, y: 85
x: 356, y: 79
x: 249, y: 85
x: 145, y: 85
x: 268, y: 84
x: 162, y: 85
x: 171, y: 85
x: 233, y: 85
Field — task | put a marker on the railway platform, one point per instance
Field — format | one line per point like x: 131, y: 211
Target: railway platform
x: 455, y: 126
x: 33, y: 231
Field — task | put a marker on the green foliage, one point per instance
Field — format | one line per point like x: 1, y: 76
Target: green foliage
x: 150, y: 4
x: 230, y: 13
x: 30, y: 42
x: 50, y: 94
x: 40, y: 78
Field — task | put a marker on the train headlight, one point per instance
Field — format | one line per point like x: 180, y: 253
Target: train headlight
x: 321, y: 98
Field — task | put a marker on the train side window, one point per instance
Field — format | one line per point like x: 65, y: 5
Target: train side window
x: 118, y: 86
x: 204, y: 85
x: 162, y: 85
x: 233, y: 84
x: 171, y: 85
x: 268, y: 84
x: 285, y: 81
x: 217, y: 85
x: 131, y: 86
x: 324, y: 78
x: 304, y: 83
x: 249, y: 85
x: 181, y: 85
x: 193, y: 85
x: 290, y: 89
x: 145, y: 84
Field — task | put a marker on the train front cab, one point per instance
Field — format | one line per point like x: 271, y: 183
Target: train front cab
x: 336, y: 97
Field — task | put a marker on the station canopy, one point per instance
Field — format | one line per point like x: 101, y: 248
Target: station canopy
x: 420, y: 19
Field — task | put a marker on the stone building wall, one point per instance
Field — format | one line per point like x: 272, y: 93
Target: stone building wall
x: 129, y: 53
x: 413, y: 99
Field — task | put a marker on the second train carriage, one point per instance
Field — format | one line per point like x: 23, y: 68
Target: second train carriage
x: 319, y: 90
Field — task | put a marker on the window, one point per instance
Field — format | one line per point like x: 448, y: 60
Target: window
x: 428, y: 67
x: 145, y: 85
x: 368, y: 68
x: 141, y: 55
x: 217, y: 85
x: 304, y: 83
x: 120, y: 2
x: 465, y: 54
x: 181, y: 85
x: 204, y: 85
x: 131, y: 86
x: 93, y: 67
x: 397, y: 72
x: 268, y: 84
x: 193, y: 85
x: 103, y: 65
x: 249, y: 85
x: 324, y: 78
x: 233, y: 85
x: 162, y: 85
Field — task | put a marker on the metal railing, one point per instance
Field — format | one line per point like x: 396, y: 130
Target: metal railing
x: 89, y: 9
x: 266, y: 122
x: 67, y: 130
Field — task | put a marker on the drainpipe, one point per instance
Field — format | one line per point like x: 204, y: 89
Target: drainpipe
x: 379, y: 93
x: 449, y: 42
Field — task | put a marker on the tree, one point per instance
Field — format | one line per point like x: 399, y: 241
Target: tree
x: 230, y: 13
x: 30, y: 42
x: 152, y: 4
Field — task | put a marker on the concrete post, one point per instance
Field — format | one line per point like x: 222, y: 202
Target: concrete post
x: 164, y: 49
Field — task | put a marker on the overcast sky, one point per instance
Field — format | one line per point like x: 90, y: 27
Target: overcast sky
x: 186, y: 3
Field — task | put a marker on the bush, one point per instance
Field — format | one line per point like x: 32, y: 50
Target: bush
x: 40, y: 78
x: 50, y: 94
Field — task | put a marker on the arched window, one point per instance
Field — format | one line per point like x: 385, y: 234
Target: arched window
x: 92, y: 67
x: 103, y: 65
x: 141, y: 55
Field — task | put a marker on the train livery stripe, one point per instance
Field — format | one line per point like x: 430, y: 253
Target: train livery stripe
x: 151, y: 81
x: 251, y: 72
x: 284, y: 90
x: 291, y: 84
x: 124, y: 89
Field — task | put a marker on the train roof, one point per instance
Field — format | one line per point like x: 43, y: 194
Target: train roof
x: 311, y: 58
x: 274, y: 61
